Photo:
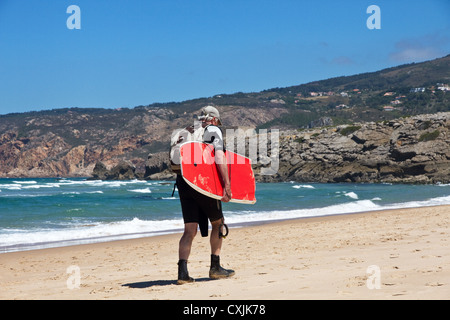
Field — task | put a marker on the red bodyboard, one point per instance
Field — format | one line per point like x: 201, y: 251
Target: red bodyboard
x: 199, y: 170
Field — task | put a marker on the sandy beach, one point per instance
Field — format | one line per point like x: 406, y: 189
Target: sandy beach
x: 393, y: 254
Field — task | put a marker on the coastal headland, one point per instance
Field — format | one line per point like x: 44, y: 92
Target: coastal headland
x: 390, y: 125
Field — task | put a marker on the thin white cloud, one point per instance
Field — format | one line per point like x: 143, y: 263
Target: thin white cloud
x: 342, y: 61
x: 337, y: 61
x: 421, y: 48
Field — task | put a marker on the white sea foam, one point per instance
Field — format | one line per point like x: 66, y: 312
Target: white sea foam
x: 11, y: 186
x: 351, y: 195
x: 99, y: 183
x: 445, y: 200
x: 306, y: 186
x: 38, y: 186
x: 85, y: 231
x: 345, y: 208
x: 146, y: 190
x: 25, y: 182
x: 18, y: 185
x: 81, y: 192
x: 351, y: 207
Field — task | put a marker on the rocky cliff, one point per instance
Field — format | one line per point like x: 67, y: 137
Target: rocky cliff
x: 412, y: 150
x: 70, y: 142
x: 406, y: 150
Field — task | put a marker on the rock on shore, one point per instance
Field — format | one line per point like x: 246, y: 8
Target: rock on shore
x: 407, y: 150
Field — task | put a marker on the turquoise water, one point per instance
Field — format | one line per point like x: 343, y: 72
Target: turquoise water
x: 37, y: 213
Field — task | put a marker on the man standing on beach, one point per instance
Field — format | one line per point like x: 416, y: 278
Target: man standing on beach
x: 198, y: 208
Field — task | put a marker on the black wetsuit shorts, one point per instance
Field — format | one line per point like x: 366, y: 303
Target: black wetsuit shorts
x: 195, y: 206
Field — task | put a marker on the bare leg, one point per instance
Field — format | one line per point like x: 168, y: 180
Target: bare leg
x: 215, y: 241
x: 190, y: 230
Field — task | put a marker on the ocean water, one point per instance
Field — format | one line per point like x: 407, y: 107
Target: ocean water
x: 41, y: 213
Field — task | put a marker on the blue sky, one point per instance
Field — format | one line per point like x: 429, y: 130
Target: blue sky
x: 137, y: 52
